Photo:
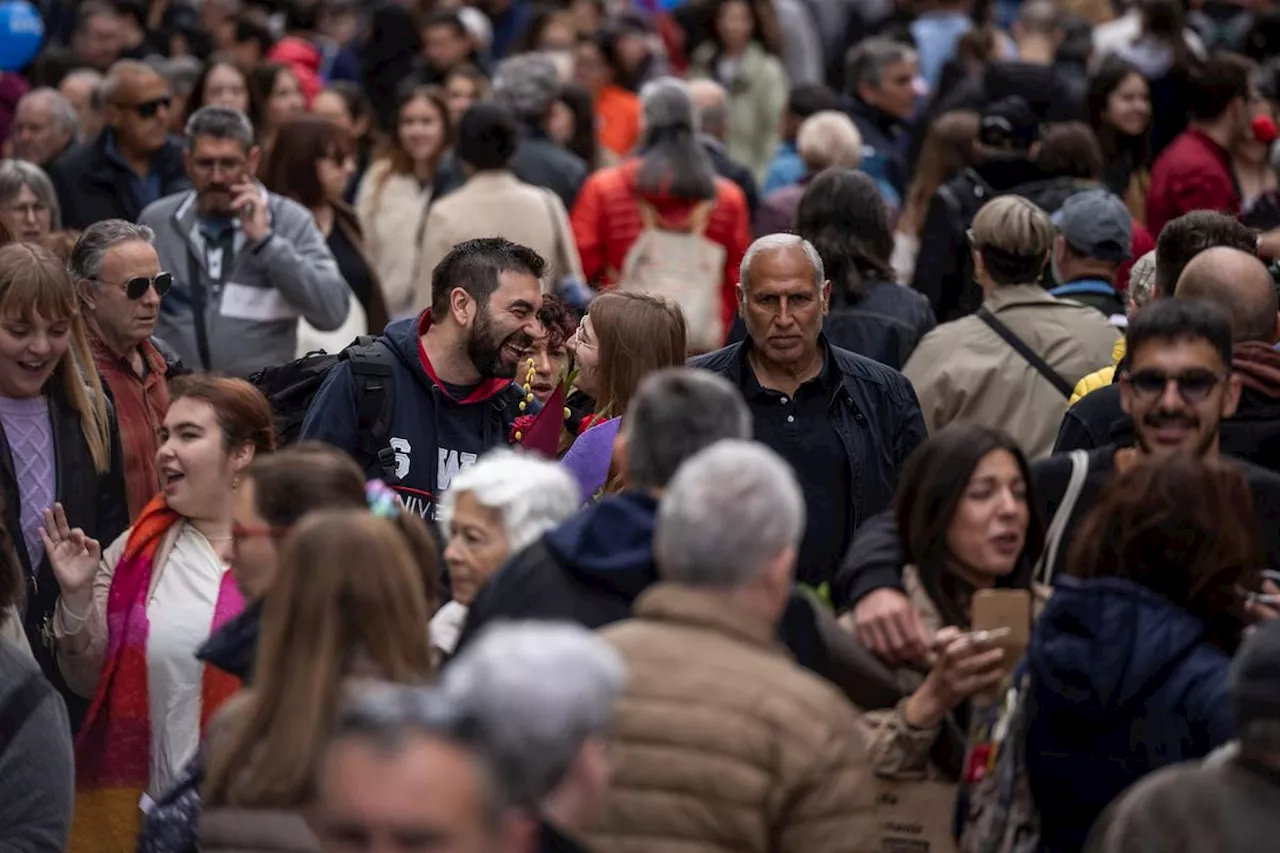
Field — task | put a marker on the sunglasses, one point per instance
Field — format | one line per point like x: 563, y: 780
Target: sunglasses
x: 1194, y: 386
x: 136, y: 288
x: 149, y: 109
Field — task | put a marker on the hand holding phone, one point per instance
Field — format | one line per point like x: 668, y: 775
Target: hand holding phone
x: 964, y: 664
x: 253, y: 213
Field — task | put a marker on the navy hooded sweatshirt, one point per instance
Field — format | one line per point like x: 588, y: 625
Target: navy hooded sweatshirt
x: 1123, y: 683
x: 434, y: 435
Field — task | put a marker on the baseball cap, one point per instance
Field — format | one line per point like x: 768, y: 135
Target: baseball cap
x: 1096, y: 224
x: 1009, y: 123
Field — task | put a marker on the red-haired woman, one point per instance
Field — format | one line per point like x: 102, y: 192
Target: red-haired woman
x: 130, y: 619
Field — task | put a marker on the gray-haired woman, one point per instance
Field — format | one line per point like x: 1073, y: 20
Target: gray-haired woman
x: 492, y: 510
x: 28, y: 203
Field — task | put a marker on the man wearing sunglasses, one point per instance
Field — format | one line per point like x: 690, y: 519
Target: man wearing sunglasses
x: 120, y: 284
x: 1178, y: 385
x: 132, y: 162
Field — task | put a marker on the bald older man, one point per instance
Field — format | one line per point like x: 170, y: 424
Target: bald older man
x: 711, y: 105
x: 132, y: 161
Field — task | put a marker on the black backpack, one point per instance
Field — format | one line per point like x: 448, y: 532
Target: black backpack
x: 291, y: 387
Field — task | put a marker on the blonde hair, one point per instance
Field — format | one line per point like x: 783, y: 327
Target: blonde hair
x: 34, y: 281
x: 349, y: 597
x: 829, y: 138
x: 1013, y: 224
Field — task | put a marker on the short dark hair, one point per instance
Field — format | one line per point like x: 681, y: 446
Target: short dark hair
x: 1189, y: 235
x: 675, y: 413
x: 928, y: 495
x: 487, y: 136
x: 1216, y: 83
x: 1070, y: 149
x: 247, y: 29
x: 447, y: 18
x: 808, y: 99
x: 1180, y: 319
x: 476, y: 265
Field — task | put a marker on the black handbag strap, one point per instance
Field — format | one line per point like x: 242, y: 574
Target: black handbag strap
x: 1028, y: 354
x: 196, y: 284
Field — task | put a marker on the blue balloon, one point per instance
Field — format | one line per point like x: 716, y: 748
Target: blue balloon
x: 21, y: 34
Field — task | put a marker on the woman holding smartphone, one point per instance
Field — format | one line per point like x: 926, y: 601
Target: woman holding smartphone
x: 967, y: 524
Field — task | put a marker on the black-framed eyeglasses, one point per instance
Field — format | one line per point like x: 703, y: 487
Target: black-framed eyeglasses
x: 1194, y: 386
x: 149, y: 109
x: 137, y: 287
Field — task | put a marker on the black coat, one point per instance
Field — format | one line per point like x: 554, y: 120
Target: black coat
x: 887, y: 136
x: 92, y: 187
x: 885, y: 324
x: 875, y: 413
x: 96, y: 503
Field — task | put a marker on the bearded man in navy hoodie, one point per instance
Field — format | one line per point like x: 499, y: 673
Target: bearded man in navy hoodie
x: 454, y: 398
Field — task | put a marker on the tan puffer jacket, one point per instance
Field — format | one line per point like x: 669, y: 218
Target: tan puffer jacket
x: 723, y: 743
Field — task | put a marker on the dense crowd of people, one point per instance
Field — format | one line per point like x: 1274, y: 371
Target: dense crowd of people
x: 591, y: 425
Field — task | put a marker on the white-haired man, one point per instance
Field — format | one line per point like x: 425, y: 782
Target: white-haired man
x: 544, y: 694
x: 844, y: 422
x: 722, y: 741
x: 45, y: 125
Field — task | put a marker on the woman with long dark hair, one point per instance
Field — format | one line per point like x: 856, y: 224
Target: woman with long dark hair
x: 967, y: 522
x: 843, y: 215
x: 312, y: 163
x: 1120, y: 115
x: 347, y: 105
x: 668, y: 188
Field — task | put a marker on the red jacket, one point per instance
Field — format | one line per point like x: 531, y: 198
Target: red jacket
x: 1193, y: 173
x: 141, y: 405
x: 606, y: 222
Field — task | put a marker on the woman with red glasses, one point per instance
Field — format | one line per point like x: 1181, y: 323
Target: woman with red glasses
x: 132, y: 616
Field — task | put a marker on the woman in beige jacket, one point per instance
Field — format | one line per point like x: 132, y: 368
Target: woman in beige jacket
x: 395, y: 191
x: 967, y: 524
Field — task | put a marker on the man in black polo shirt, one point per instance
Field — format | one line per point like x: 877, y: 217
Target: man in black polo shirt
x: 844, y: 422
x: 1177, y: 386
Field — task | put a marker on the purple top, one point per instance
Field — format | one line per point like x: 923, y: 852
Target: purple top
x: 29, y: 432
x: 589, y: 457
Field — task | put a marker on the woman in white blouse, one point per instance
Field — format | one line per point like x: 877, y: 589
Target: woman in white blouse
x: 131, y: 618
x: 394, y: 193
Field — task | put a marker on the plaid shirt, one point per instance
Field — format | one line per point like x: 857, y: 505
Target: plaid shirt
x: 140, y: 405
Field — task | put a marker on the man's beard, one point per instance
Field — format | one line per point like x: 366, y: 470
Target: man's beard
x: 484, y: 347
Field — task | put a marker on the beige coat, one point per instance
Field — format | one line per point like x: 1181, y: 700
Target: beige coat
x: 723, y: 743
x: 963, y: 370
x: 498, y: 204
x: 392, y: 209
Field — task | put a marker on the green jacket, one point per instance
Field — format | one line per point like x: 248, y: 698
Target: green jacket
x: 757, y: 96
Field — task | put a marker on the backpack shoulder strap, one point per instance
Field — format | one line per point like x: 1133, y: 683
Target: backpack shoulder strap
x: 20, y: 705
x: 1029, y: 355
x: 374, y: 374
x: 1048, y: 561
